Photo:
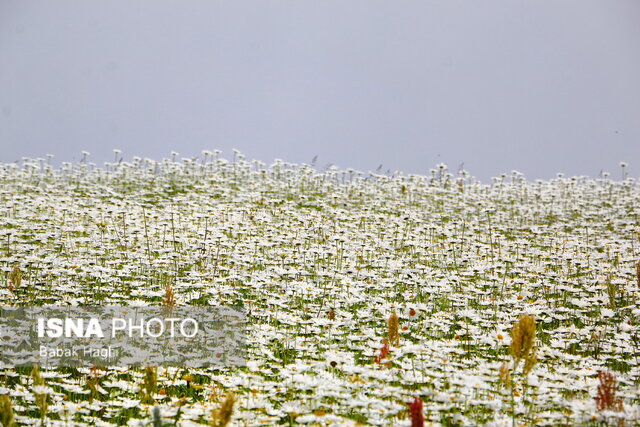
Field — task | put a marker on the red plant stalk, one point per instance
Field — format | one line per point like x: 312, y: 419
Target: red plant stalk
x: 384, y: 352
x: 606, y: 394
x: 417, y: 417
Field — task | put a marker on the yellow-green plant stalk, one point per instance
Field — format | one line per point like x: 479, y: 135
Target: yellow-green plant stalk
x: 15, y: 278
x: 523, y: 337
x: 41, y: 396
x: 93, y: 383
x: 612, y: 291
x: 530, y: 361
x: 505, y: 375
x: 392, y: 329
x: 221, y: 417
x: 169, y: 298
x: 6, y: 411
x: 150, y: 384
x: 522, y: 347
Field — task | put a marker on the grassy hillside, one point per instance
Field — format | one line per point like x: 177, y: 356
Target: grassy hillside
x: 363, y: 291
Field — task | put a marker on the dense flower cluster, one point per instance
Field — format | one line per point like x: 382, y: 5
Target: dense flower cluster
x: 328, y: 264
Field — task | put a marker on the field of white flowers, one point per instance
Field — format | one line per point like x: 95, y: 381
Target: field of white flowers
x: 364, y: 292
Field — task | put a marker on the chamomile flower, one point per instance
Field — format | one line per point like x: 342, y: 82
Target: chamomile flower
x: 412, y: 313
x: 333, y: 360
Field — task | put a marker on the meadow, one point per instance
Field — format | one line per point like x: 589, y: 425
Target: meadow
x: 372, y: 299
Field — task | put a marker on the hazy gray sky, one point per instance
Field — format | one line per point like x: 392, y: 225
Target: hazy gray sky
x: 536, y: 86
